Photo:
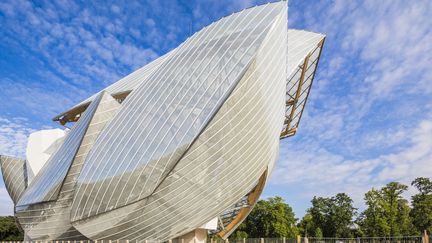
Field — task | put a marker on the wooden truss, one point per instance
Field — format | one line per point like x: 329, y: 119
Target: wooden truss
x: 74, y: 114
x: 296, y: 101
x: 234, y: 216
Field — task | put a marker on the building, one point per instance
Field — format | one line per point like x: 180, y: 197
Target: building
x: 181, y: 145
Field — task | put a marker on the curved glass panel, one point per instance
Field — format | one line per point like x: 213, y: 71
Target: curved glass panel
x: 165, y: 114
x: 222, y: 165
x: 15, y: 177
x: 126, y: 84
x: 51, y: 220
x: 46, y: 184
x: 232, y: 217
x: 304, y: 50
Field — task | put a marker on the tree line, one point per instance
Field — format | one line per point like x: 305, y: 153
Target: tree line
x: 9, y: 229
x: 387, y: 214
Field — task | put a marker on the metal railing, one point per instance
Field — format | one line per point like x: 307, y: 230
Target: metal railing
x: 402, y: 239
x: 253, y: 240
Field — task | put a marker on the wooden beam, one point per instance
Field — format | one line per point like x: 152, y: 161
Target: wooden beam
x: 290, y: 102
x: 74, y: 114
x: 291, y: 129
x: 288, y: 133
x: 244, y: 212
x: 320, y: 46
x: 300, y: 85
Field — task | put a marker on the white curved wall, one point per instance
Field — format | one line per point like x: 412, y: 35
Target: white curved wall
x: 40, y: 147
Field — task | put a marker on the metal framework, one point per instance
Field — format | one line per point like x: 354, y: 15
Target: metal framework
x: 190, y: 137
x: 233, y: 217
x: 301, y: 84
x: 74, y: 114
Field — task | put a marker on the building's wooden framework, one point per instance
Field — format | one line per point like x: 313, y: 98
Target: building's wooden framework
x: 293, y: 103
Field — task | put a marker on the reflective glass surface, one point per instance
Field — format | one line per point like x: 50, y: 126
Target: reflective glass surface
x: 51, y: 220
x: 165, y: 114
x: 15, y: 176
x: 46, y: 184
x: 224, y: 162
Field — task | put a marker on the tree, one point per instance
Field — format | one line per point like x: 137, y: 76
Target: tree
x: 239, y: 234
x: 270, y: 218
x: 387, y: 213
x: 306, y: 226
x: 9, y: 229
x: 392, y: 196
x: 342, y: 213
x: 372, y: 221
x: 318, y: 233
x: 329, y: 217
x: 423, y: 184
x: 421, y: 212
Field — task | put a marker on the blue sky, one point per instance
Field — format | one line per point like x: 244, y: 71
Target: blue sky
x: 368, y: 120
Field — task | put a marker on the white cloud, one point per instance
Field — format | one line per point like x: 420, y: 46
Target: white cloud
x: 368, y: 119
x: 89, y: 50
x: 370, y: 115
x: 322, y: 172
x: 13, y: 140
x: 13, y: 136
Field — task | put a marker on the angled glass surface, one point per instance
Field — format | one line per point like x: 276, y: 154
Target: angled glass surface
x: 301, y: 44
x: 222, y: 165
x: 51, y: 220
x: 128, y: 83
x: 162, y: 117
x: 46, y: 184
x: 15, y: 177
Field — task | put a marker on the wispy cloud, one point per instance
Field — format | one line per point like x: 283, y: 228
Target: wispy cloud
x: 81, y: 49
x: 13, y: 140
x: 368, y: 120
x: 54, y: 54
x: 320, y: 171
x: 13, y: 136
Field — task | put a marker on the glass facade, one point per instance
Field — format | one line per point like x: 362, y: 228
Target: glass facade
x: 15, y: 176
x: 164, y: 115
x: 51, y: 219
x: 46, y: 184
x: 196, y: 136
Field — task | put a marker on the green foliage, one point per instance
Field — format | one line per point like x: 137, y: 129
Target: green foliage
x: 372, y: 220
x: 318, y: 233
x: 9, y: 229
x: 307, y: 227
x: 421, y: 212
x: 387, y: 213
x: 424, y: 185
x: 238, y: 235
x: 329, y: 217
x: 270, y: 218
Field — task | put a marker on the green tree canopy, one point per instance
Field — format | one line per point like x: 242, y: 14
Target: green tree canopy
x: 387, y: 212
x: 307, y: 227
x: 9, y: 229
x: 270, y: 218
x: 421, y: 212
x: 329, y: 217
